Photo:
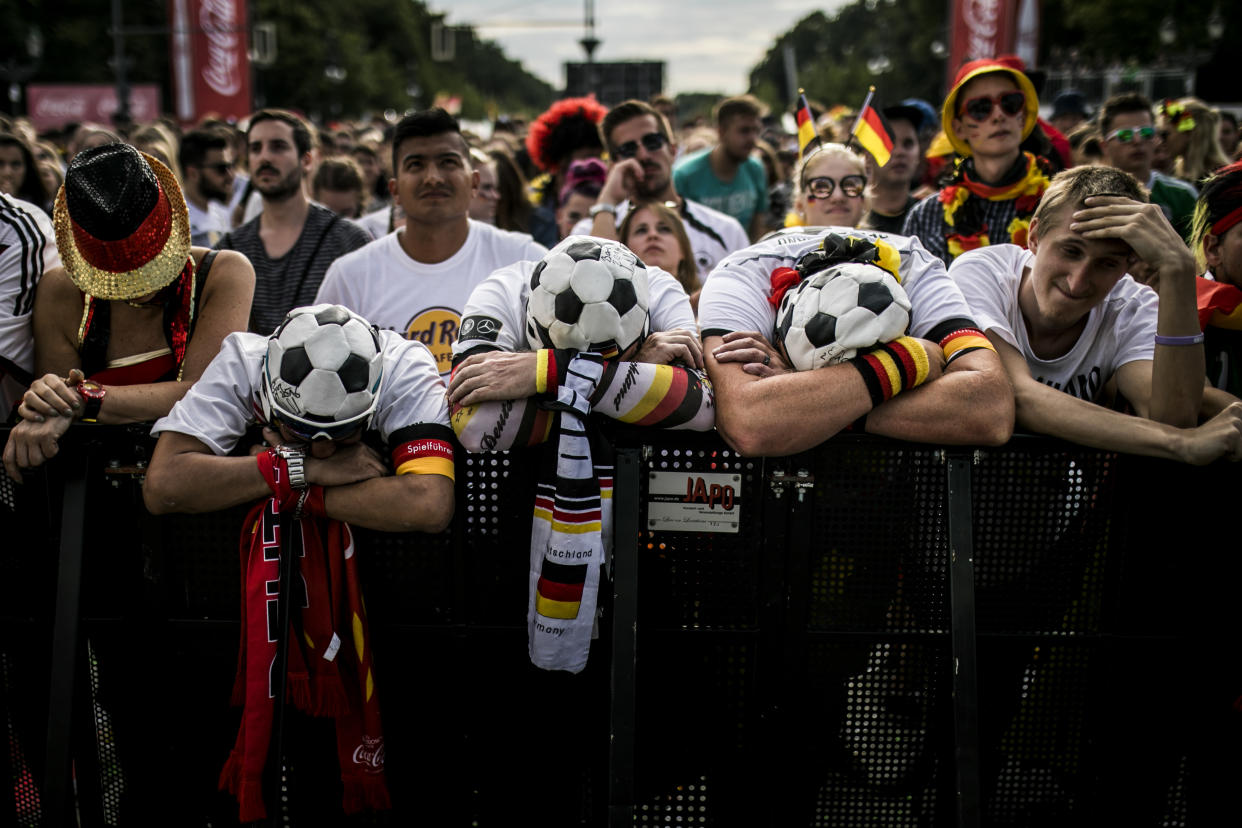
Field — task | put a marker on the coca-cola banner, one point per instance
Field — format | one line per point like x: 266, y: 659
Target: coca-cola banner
x: 980, y: 29
x: 52, y: 105
x: 211, y: 66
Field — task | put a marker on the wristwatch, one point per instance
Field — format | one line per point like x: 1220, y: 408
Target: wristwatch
x: 602, y: 207
x: 94, y: 394
x: 295, y: 462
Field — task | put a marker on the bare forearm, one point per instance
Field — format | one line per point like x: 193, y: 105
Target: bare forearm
x: 197, y: 482
x: 140, y: 403
x: 787, y: 413
x: 1177, y: 370
x: 1045, y: 410
x: 1215, y: 401
x: 409, y: 503
x: 963, y: 407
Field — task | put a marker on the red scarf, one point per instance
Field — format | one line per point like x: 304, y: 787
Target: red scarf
x: 329, y: 674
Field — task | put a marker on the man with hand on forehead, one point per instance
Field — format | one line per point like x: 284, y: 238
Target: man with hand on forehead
x: 988, y: 113
x: 1066, y: 319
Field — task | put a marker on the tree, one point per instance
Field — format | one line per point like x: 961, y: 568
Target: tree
x: 382, y: 46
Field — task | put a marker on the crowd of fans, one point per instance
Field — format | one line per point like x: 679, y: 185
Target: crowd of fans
x: 1079, y: 276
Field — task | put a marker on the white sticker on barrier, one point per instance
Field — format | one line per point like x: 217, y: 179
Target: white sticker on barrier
x: 691, y: 502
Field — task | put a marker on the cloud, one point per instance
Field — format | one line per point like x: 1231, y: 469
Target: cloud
x: 707, y: 46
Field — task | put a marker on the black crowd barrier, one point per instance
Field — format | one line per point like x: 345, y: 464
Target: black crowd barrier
x: 873, y: 633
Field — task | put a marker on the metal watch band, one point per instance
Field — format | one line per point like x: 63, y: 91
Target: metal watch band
x: 295, y: 462
x: 602, y: 207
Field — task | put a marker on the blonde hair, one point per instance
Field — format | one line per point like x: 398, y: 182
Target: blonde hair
x: 1074, y: 186
x: 1203, y: 153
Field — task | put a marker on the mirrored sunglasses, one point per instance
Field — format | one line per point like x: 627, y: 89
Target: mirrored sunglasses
x: 652, y: 142
x: 980, y: 108
x: 327, y: 431
x: 1127, y: 134
x: 823, y: 186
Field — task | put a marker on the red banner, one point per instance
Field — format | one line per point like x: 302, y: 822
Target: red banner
x: 52, y: 105
x: 979, y: 29
x: 210, y: 62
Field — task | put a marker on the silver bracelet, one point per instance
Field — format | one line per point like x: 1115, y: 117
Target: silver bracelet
x: 295, y: 463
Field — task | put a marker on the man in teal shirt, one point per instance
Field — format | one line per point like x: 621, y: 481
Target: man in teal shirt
x: 726, y: 177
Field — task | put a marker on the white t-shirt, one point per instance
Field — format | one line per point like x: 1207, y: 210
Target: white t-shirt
x: 713, y: 234
x: 422, y: 301
x: 207, y: 226
x: 735, y: 298
x: 376, y: 223
x: 218, y: 408
x: 496, y: 312
x: 1120, y: 329
x: 27, y: 251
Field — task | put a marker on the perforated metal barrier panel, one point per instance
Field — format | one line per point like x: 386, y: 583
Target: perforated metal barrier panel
x: 796, y: 649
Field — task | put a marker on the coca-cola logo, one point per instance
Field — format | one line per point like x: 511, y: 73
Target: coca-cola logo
x: 71, y: 109
x: 221, y: 71
x: 370, y: 754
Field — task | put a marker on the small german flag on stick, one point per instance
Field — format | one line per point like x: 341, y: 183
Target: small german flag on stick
x: 873, y: 132
x: 806, y: 125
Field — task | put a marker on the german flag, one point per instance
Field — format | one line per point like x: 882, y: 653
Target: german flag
x: 873, y: 132
x: 806, y: 125
x: 559, y: 593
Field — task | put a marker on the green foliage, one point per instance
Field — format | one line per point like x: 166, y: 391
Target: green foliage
x: 383, y: 46
x: 832, y: 55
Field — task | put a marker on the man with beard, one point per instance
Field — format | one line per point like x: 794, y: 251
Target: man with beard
x: 642, y: 152
x: 726, y: 177
x: 293, y: 241
x: 891, y: 198
x: 417, y: 280
x: 207, y: 169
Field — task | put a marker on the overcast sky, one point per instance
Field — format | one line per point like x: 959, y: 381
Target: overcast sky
x: 707, y: 45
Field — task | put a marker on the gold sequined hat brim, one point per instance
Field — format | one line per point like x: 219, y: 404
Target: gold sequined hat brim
x: 163, y: 268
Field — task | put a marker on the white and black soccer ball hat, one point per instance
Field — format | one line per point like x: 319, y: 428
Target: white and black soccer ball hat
x: 588, y: 294
x: 322, y: 372
x: 833, y: 314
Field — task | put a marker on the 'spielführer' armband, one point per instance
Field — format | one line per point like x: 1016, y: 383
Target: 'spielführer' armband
x: 422, y: 449
x: 890, y: 369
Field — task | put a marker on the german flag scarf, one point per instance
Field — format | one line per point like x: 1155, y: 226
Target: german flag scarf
x: 963, y: 197
x: 573, y: 510
x: 329, y: 672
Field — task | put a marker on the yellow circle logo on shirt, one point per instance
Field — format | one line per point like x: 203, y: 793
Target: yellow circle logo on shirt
x: 437, y: 329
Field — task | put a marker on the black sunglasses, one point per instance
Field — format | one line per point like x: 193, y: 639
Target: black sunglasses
x: 823, y: 186
x: 980, y: 109
x: 652, y: 142
x: 220, y: 167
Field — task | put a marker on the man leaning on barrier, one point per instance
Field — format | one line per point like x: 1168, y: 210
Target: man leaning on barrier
x: 765, y: 408
x: 1067, y: 321
x: 322, y: 387
x: 534, y: 360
